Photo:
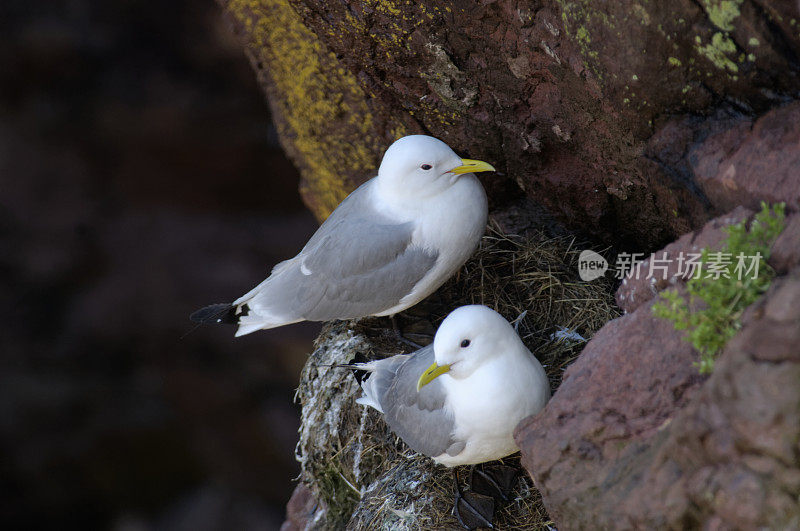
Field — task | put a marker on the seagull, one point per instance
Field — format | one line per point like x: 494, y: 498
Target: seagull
x: 388, y: 245
x: 458, y: 400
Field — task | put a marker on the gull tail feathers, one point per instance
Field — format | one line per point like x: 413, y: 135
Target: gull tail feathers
x: 215, y: 313
x: 370, y: 396
x: 375, y: 383
x: 238, y: 314
x: 252, y: 321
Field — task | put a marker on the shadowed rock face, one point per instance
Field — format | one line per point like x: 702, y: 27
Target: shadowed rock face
x: 563, y: 98
x: 635, y: 433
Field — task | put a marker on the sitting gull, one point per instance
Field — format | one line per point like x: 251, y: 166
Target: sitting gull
x: 459, y: 399
x: 388, y: 245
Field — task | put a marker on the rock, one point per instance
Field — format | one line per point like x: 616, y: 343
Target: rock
x: 753, y: 161
x: 786, y: 249
x: 732, y: 455
x: 634, y: 432
x: 653, y: 276
x: 300, y: 509
x: 663, y: 269
x: 563, y: 98
x: 628, y: 383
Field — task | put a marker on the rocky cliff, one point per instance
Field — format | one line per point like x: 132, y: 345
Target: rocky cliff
x: 634, y: 125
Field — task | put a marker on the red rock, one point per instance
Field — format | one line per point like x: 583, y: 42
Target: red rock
x: 641, y: 287
x: 752, y: 403
x: 786, y: 249
x: 633, y: 435
x: 299, y: 509
x: 752, y: 161
x: 629, y: 381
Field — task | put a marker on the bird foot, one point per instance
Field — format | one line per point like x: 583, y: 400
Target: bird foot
x: 489, y: 485
x: 493, y: 479
x: 472, y: 509
x: 398, y: 335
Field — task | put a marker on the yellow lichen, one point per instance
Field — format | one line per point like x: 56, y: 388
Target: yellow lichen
x: 320, y: 105
x: 722, y: 13
x: 717, y: 51
x: 578, y: 17
x: 384, y: 6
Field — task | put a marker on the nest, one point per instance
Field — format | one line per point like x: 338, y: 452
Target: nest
x: 365, y: 477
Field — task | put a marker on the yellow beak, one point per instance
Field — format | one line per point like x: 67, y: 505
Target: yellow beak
x: 433, y: 372
x: 472, y: 166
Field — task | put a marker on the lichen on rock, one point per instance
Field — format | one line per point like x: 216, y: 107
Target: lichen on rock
x: 324, y: 118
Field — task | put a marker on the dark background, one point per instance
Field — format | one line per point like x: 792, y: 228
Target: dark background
x: 140, y: 178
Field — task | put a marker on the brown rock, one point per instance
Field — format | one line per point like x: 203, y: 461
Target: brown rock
x: 786, y: 249
x: 722, y: 455
x: 562, y: 97
x: 644, y: 282
x: 626, y: 386
x: 299, y: 509
x: 752, y: 161
x: 751, y: 406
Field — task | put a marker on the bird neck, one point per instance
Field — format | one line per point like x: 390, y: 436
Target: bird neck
x: 409, y: 193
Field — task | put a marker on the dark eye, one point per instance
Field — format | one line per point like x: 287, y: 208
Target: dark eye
x: 465, y: 343
x: 426, y: 167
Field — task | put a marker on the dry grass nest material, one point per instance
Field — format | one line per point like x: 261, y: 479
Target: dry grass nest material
x: 363, y: 476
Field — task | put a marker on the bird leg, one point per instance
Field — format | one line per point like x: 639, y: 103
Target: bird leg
x: 399, y: 335
x: 495, y: 480
x: 473, y: 510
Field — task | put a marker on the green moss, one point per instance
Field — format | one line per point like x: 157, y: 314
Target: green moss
x: 674, y: 61
x: 338, y: 493
x: 583, y: 35
x: 722, y: 288
x: 753, y: 42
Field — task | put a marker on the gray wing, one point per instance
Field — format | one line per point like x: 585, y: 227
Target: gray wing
x: 358, y: 263
x: 419, y: 418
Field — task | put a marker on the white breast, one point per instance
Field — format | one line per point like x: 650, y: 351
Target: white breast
x: 489, y: 404
x: 450, y: 223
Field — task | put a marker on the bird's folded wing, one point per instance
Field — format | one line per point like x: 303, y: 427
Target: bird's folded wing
x: 358, y: 263
x: 419, y: 418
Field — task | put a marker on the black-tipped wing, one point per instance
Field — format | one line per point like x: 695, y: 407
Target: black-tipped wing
x: 359, y: 262
x: 215, y: 313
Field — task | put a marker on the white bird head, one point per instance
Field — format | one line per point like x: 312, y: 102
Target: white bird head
x: 423, y: 165
x: 467, y: 338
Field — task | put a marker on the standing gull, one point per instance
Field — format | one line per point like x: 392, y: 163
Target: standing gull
x: 388, y: 245
x: 459, y: 399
